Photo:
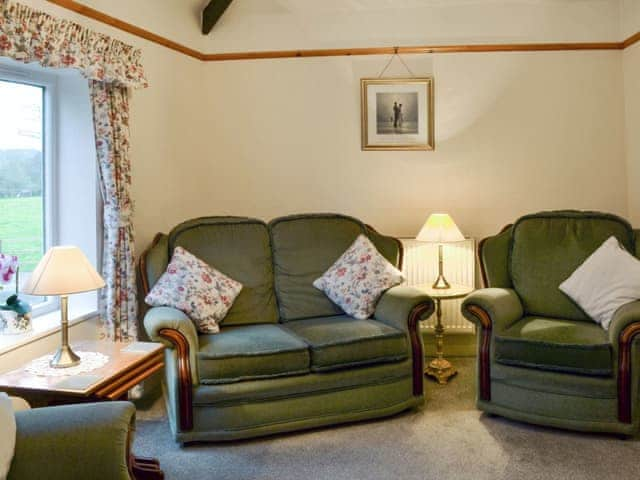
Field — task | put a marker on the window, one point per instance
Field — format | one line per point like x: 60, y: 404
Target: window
x: 26, y: 152
x: 48, y: 177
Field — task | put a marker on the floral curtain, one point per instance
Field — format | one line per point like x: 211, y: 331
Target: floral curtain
x: 29, y: 35
x: 111, y: 124
x: 112, y: 68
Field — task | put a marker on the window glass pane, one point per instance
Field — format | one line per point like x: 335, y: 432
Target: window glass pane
x: 22, y: 214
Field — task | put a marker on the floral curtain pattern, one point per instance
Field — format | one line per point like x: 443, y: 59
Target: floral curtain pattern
x: 29, y: 35
x: 112, y: 68
x: 110, y: 104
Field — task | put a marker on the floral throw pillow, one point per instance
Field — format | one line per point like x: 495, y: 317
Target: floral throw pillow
x: 358, y: 279
x: 200, y: 291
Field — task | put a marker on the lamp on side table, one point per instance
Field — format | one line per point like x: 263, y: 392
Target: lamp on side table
x: 440, y: 228
x: 63, y: 271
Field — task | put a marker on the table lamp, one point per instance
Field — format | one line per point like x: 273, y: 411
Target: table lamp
x: 440, y: 228
x: 63, y: 271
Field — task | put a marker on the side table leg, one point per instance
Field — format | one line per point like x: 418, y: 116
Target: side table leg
x: 440, y: 368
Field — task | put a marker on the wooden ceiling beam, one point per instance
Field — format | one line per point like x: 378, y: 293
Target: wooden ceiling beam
x: 212, y: 14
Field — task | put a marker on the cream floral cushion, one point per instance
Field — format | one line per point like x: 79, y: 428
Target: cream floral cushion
x: 200, y: 291
x: 358, y: 278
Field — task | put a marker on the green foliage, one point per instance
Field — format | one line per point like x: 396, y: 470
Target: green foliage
x: 20, y: 173
x: 21, y: 229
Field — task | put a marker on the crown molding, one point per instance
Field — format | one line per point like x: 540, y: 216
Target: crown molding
x: 336, y: 52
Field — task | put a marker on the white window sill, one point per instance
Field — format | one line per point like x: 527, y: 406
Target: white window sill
x: 44, y: 326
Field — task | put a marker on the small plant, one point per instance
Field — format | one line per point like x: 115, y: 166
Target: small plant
x: 8, y: 268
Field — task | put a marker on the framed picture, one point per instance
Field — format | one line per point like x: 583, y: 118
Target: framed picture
x: 397, y: 113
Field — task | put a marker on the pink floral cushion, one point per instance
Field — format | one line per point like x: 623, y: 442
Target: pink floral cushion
x: 200, y: 291
x: 358, y: 279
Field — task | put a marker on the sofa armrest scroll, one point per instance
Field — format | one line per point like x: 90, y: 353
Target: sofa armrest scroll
x: 502, y: 306
x: 492, y: 310
x: 158, y: 319
x: 173, y: 328
x: 403, y: 308
x: 624, y: 332
x: 626, y: 316
x: 397, y: 304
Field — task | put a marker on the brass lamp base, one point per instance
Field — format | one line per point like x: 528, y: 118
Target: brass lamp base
x: 441, y: 283
x: 441, y: 370
x: 64, y: 358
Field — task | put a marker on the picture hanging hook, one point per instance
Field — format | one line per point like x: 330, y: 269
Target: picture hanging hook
x: 395, y: 54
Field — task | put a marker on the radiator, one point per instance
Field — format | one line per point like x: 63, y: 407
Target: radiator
x: 420, y: 267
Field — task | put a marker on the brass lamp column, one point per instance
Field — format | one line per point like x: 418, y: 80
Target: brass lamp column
x: 440, y: 228
x: 63, y: 271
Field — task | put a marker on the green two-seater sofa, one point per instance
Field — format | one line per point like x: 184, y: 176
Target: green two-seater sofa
x: 541, y: 359
x: 286, y: 357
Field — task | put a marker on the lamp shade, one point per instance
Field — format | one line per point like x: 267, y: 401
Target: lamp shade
x: 439, y: 228
x: 63, y: 270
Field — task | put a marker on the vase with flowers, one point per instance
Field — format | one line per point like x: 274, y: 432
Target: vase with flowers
x: 15, y: 314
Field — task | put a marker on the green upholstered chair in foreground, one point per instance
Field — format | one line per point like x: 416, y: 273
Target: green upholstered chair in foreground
x: 540, y: 358
x: 286, y: 358
x: 85, y: 441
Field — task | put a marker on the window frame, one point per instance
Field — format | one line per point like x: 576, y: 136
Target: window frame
x: 49, y: 85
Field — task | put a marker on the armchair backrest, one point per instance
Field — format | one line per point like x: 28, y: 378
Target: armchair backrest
x: 542, y: 250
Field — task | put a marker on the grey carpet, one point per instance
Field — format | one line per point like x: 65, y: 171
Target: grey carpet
x: 448, y: 439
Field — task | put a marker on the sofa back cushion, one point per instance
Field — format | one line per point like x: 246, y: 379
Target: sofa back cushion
x: 304, y: 247
x: 547, y: 247
x: 240, y: 248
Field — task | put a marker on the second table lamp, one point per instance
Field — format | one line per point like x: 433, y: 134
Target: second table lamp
x: 440, y: 228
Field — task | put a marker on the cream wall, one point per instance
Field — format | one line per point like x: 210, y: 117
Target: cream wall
x: 630, y: 21
x: 515, y: 133
x: 631, y: 68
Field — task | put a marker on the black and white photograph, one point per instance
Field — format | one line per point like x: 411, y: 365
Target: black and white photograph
x: 397, y: 114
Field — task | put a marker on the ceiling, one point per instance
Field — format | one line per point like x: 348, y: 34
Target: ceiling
x: 250, y: 25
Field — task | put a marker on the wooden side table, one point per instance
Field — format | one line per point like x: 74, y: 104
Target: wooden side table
x: 124, y: 370
x: 440, y: 368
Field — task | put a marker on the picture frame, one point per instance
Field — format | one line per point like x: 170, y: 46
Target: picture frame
x: 397, y: 113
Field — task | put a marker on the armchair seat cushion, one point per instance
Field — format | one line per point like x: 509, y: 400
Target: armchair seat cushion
x: 250, y: 352
x: 342, y: 341
x: 568, y: 346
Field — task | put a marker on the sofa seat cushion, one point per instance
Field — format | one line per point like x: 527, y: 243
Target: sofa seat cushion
x: 250, y: 352
x: 341, y: 341
x: 554, y: 344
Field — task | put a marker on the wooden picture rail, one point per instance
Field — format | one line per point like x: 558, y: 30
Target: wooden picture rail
x: 338, y: 52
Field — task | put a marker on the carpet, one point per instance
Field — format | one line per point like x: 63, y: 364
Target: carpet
x: 448, y: 439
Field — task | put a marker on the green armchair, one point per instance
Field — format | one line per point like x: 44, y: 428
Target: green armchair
x: 90, y: 441
x: 540, y: 358
x: 286, y: 358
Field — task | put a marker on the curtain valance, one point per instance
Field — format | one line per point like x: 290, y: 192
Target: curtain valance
x: 30, y: 35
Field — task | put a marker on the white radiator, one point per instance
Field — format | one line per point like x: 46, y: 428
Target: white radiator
x: 420, y: 267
